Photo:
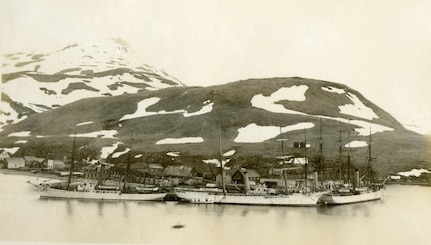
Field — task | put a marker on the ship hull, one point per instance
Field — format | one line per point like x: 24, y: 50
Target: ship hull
x: 349, y: 198
x: 199, y: 196
x: 294, y: 199
x: 99, y: 195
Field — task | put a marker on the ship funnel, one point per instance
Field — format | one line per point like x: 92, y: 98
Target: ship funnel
x: 316, y: 179
x: 356, y: 179
x: 246, y: 180
x: 100, y: 174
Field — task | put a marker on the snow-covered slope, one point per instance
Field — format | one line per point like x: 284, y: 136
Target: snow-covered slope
x: 36, y: 82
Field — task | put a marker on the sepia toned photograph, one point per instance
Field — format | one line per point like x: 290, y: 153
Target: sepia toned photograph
x: 215, y: 122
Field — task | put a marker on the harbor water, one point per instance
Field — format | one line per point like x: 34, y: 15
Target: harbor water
x: 403, y: 216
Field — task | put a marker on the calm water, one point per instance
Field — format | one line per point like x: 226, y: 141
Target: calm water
x: 403, y: 216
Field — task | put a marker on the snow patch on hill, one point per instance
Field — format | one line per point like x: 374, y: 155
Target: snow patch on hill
x: 11, y: 150
x: 185, y: 140
x: 104, y: 134
x: 84, y: 123
x: 414, y: 172
x: 357, y: 109
x: 368, y: 128
x: 141, y: 111
x: 118, y: 154
x: 107, y: 150
x: 294, y: 93
x: 173, y: 154
x: 334, y: 90
x: 355, y: 144
x: 206, y: 108
x: 253, y: 133
x: 229, y: 153
x: 20, y: 134
x: 216, y: 162
x: 21, y: 141
x: 143, y: 105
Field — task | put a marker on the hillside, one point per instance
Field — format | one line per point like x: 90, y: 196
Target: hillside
x: 180, y: 124
x: 35, y: 82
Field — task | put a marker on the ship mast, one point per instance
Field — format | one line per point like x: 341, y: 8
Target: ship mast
x: 348, y: 153
x: 339, y: 154
x: 369, y: 160
x: 321, y: 150
x: 305, y: 158
x: 72, y: 162
x: 221, y: 162
x: 282, y: 146
x: 284, y: 170
x: 128, y: 164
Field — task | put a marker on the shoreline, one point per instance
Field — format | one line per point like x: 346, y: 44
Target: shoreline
x: 30, y: 174
x: 54, y: 176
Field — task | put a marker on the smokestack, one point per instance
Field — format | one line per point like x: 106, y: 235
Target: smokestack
x: 356, y: 179
x: 316, y: 179
x: 246, y: 180
x: 100, y: 174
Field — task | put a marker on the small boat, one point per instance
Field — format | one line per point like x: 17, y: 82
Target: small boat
x: 38, y: 184
x: 147, y: 188
x: 178, y: 226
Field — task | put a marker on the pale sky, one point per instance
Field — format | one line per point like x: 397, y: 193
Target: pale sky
x: 380, y: 48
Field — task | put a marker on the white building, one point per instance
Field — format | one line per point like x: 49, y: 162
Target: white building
x: 15, y: 162
x: 56, y: 164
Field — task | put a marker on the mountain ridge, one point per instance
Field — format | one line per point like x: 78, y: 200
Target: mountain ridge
x: 75, y: 72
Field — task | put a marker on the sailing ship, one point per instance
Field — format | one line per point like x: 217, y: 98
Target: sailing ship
x: 260, y: 195
x: 98, y: 191
x: 357, y: 191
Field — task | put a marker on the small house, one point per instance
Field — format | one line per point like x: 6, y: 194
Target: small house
x: 4, y: 155
x: 238, y: 176
x: 33, y: 162
x: 180, y: 174
x: 56, y: 164
x: 227, y: 177
x: 15, y: 162
x: 179, y: 171
x: 155, y: 169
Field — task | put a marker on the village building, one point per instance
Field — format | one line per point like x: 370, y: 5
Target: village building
x: 155, y: 169
x: 180, y: 175
x: 56, y: 165
x: 34, y: 162
x: 4, y: 155
x: 253, y: 176
x: 15, y: 162
x: 227, y: 174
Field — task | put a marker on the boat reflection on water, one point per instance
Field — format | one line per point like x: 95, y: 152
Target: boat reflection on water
x: 401, y: 217
x: 353, y: 210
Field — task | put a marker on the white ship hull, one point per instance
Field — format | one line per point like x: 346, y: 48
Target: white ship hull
x: 199, y: 196
x: 348, y: 198
x: 99, y: 195
x: 294, y: 199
